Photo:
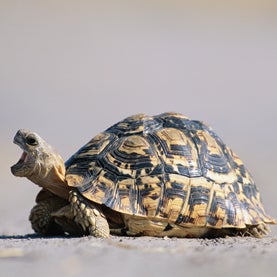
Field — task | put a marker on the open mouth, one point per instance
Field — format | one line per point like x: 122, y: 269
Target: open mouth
x: 23, y: 158
x: 16, y: 168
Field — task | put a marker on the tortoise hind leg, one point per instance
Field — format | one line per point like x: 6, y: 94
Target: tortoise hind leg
x: 256, y: 231
x: 41, y: 217
x: 52, y: 215
x: 89, y: 215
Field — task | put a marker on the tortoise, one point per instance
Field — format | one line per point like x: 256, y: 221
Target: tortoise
x: 163, y: 175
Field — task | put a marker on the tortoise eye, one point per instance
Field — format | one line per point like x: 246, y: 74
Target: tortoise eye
x: 31, y: 141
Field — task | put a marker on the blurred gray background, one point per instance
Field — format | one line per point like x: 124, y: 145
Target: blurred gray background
x: 70, y: 69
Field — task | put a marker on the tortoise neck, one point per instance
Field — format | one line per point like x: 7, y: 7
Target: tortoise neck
x: 52, y: 180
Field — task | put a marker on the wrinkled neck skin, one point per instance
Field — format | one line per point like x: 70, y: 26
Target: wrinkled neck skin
x: 50, y: 176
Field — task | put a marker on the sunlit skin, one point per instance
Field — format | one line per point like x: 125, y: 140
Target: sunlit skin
x: 40, y: 163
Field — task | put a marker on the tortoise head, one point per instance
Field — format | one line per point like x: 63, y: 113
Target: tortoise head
x: 40, y: 163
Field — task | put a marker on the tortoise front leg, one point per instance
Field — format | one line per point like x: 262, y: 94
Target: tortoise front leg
x: 64, y: 217
x: 89, y: 215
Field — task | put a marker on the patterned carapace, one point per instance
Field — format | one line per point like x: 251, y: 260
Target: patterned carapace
x: 168, y: 167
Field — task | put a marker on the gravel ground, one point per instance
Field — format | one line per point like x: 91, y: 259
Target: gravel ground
x: 144, y: 256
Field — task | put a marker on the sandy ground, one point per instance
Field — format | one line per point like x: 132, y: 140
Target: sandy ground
x: 121, y: 256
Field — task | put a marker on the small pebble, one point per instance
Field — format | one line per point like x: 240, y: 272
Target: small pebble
x: 11, y: 252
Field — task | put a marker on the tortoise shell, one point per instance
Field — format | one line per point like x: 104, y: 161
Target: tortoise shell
x: 167, y: 167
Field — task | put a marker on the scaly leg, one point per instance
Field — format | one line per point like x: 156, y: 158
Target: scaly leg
x: 89, y: 215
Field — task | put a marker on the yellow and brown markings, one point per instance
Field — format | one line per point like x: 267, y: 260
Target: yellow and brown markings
x: 218, y: 207
x: 82, y: 159
x: 215, y: 163
x: 97, y: 145
x: 248, y: 194
x: 169, y: 167
x: 175, y: 196
x: 149, y: 191
x: 234, y: 209
x: 101, y: 188
x: 177, y: 152
x: 82, y: 167
x: 131, y: 157
x: 196, y: 202
x: 139, y: 196
x: 126, y: 195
